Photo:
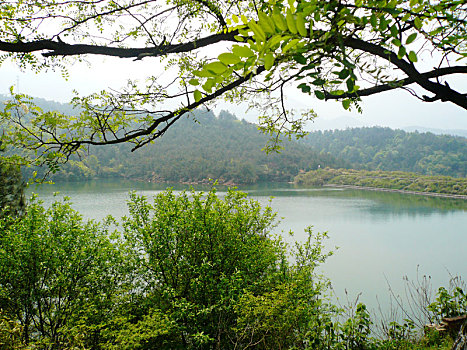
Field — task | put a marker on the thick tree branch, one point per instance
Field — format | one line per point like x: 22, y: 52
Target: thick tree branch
x: 60, y: 48
x: 441, y: 92
x: 436, y: 73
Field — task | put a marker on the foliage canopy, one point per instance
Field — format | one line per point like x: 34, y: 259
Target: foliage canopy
x: 339, y: 49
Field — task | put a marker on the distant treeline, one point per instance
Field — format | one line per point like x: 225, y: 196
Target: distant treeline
x: 396, y: 180
x: 379, y: 148
x: 197, y: 149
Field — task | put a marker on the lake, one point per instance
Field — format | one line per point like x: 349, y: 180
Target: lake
x: 381, y: 236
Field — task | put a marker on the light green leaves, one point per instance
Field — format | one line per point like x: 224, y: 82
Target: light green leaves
x: 301, y: 25
x: 257, y: 30
x: 242, y: 51
x: 291, y: 22
x: 197, y: 95
x: 193, y: 82
x: 228, y: 58
x: 268, y: 61
x: 266, y: 23
x: 346, y: 103
x: 279, y: 21
x: 215, y: 67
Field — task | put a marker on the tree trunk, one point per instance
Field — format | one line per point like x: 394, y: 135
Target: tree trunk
x: 461, y: 341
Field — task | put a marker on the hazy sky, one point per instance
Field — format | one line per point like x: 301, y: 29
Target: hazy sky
x: 395, y: 109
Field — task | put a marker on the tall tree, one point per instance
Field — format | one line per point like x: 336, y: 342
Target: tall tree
x: 333, y: 49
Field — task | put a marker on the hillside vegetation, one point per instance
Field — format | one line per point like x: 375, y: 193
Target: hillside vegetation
x: 379, y: 148
x: 395, y: 180
x: 223, y: 147
x: 201, y: 148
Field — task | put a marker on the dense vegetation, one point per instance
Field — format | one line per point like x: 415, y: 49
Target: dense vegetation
x: 379, y: 148
x: 187, y: 271
x: 396, y: 180
x: 197, y: 149
x: 12, y: 201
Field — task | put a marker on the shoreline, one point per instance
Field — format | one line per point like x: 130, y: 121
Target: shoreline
x: 382, y: 189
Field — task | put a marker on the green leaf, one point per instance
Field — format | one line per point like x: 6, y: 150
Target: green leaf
x: 344, y: 73
x: 383, y: 24
x: 215, y: 67
x: 319, y: 94
x: 418, y: 23
x: 290, y: 44
x: 203, y: 73
x: 242, y: 51
x: 279, y: 21
x: 396, y: 42
x: 299, y: 58
x: 411, y: 38
x: 197, y: 95
x: 346, y: 103
x: 373, y: 21
x: 402, y: 52
x: 208, y: 85
x: 413, y: 56
x: 350, y: 84
x: 394, y: 31
x: 228, y: 58
x: 265, y: 23
x: 276, y: 39
x: 301, y: 25
x: 193, y: 82
x: 291, y: 22
x: 304, y: 87
x: 258, y: 32
x: 268, y: 61
x: 318, y: 82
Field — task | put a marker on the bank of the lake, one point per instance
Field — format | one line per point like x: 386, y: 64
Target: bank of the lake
x: 387, y: 181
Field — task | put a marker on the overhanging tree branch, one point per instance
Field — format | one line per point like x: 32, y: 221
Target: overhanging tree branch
x: 60, y: 48
x: 441, y: 92
x: 436, y: 73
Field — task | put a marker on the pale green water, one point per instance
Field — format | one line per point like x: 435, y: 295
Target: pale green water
x: 382, y: 236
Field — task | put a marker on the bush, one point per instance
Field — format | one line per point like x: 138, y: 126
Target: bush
x: 214, y: 270
x: 58, y: 276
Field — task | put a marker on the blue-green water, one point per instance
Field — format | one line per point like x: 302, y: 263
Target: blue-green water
x: 382, y: 237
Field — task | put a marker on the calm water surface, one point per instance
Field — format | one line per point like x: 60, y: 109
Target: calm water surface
x: 382, y: 237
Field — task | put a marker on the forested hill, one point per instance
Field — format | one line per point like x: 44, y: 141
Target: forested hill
x: 222, y: 148
x: 379, y: 148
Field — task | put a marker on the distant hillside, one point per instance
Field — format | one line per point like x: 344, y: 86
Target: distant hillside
x: 379, y: 148
x: 222, y: 148
x: 452, y: 132
x: 47, y: 105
